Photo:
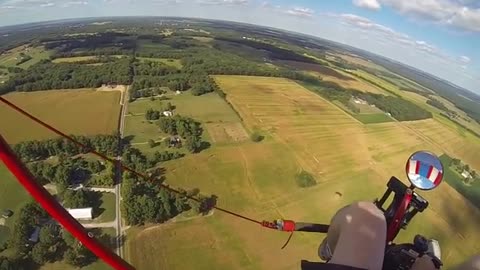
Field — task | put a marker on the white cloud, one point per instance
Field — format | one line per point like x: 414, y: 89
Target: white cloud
x: 48, y: 4
x: 223, y: 2
x: 74, y: 3
x: 465, y: 59
x: 460, y: 14
x: 300, y: 12
x: 368, y: 4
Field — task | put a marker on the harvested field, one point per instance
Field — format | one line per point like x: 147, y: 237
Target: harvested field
x: 71, y: 111
x: 226, y: 132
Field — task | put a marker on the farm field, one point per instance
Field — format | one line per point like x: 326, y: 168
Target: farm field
x: 302, y: 131
x: 74, y: 59
x: 464, y: 146
x: 79, y: 112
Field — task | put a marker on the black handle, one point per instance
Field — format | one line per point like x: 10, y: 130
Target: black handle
x: 311, y: 227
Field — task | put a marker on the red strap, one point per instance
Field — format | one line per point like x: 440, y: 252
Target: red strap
x: 395, y: 224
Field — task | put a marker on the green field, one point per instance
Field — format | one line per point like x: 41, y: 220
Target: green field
x: 373, y: 118
x: 147, y: 46
x: 80, y: 112
x: 107, y: 208
x: 12, y: 196
x: 303, y: 132
x: 74, y: 59
x: 176, y: 63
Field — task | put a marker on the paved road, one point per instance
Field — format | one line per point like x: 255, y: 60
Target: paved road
x: 118, y: 175
x: 111, y: 224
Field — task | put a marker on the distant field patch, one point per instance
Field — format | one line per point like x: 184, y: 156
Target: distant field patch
x: 12, y: 57
x: 74, y: 59
x: 373, y: 118
x: 79, y: 112
x: 317, y: 68
x: 176, y: 63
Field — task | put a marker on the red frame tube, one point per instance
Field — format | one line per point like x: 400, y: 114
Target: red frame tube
x: 48, y: 202
x: 395, y: 224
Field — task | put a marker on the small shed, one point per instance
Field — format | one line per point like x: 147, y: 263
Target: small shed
x: 81, y: 213
x: 466, y: 174
x: 178, y: 92
x: 7, y: 213
x: 167, y: 113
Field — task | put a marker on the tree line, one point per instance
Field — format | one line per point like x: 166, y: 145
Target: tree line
x: 147, y: 202
x: 47, y: 75
x: 38, y: 150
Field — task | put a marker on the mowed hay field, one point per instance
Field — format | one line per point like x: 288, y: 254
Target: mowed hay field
x: 79, y: 112
x: 302, y: 131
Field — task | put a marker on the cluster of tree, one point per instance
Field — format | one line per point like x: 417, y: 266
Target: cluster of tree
x: 46, y: 75
x: 72, y: 171
x: 461, y: 167
x: 203, y: 86
x: 39, y: 150
x: 148, y: 202
x: 152, y: 114
x: 7, y: 263
x: 274, y: 51
x: 76, y: 198
x: 439, y: 105
x: 398, y: 107
x: 186, y: 128
x: 305, y: 179
x: 256, y: 137
x: 15, y: 69
x: 151, y: 68
x: 102, y: 41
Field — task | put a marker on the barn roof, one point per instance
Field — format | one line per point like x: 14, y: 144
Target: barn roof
x: 81, y: 213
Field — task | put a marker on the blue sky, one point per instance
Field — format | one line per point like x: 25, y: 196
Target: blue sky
x: 439, y: 36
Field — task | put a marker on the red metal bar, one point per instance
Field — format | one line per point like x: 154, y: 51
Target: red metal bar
x: 396, y: 222
x: 55, y: 210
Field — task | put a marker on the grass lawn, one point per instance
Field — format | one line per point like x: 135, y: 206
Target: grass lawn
x: 176, y: 63
x: 12, y: 196
x: 373, y: 118
x: 107, y: 208
x: 79, y: 112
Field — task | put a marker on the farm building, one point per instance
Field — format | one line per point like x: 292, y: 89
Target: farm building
x: 178, y: 92
x: 7, y: 213
x: 466, y: 174
x: 175, y: 141
x: 81, y: 213
x: 35, y: 235
x: 168, y: 113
